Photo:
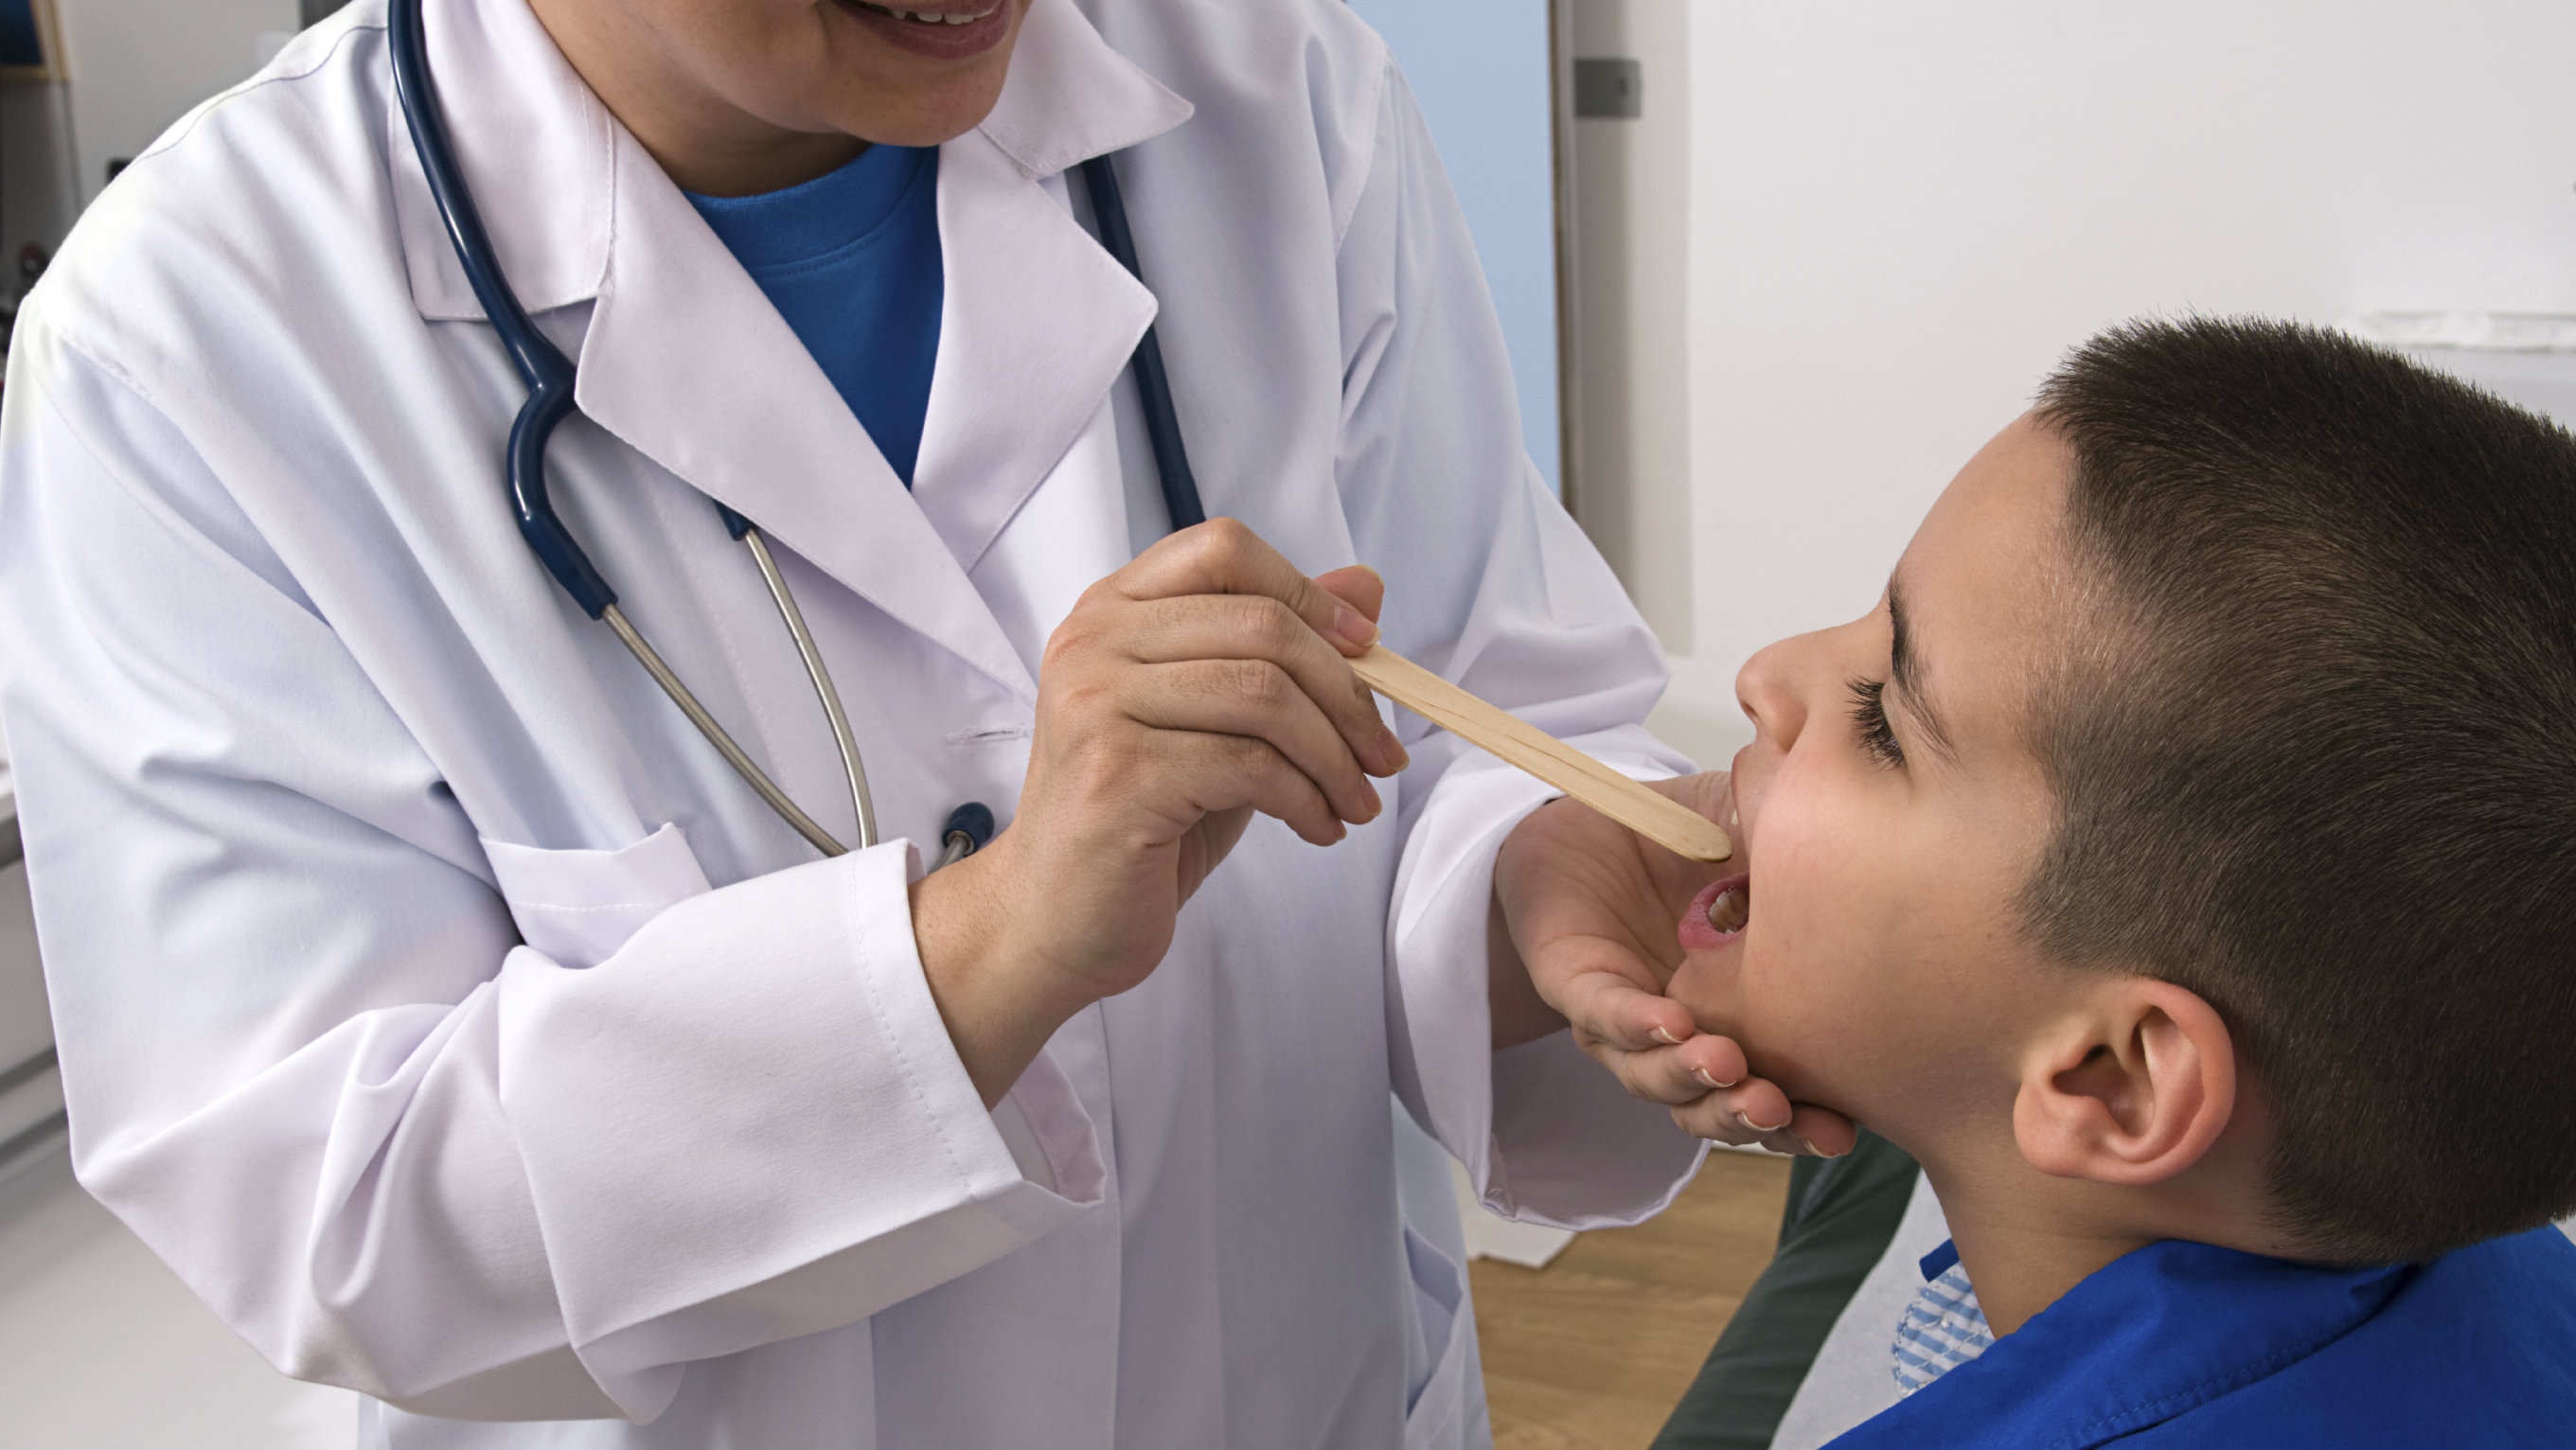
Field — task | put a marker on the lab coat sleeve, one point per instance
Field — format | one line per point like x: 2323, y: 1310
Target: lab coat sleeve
x: 1500, y: 591
x: 312, y: 1064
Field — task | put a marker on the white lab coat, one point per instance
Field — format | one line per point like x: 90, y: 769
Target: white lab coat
x: 451, y: 1019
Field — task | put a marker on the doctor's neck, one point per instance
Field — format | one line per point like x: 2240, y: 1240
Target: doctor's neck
x: 739, y: 97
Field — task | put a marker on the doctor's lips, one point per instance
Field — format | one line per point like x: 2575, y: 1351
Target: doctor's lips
x: 953, y: 30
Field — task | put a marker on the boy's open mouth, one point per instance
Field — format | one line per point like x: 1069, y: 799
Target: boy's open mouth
x: 1719, y: 913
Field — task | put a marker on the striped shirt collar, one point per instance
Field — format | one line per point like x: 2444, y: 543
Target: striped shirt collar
x: 1942, y: 1328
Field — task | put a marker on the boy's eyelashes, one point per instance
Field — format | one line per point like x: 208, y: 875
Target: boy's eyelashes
x: 1869, y: 720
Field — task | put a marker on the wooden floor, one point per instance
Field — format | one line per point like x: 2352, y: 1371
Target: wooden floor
x: 1591, y: 1352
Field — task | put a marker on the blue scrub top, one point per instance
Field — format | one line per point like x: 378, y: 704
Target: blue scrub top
x: 851, y: 261
x: 2183, y: 1344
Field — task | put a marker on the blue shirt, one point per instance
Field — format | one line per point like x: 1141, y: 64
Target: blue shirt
x: 2183, y: 1344
x: 851, y: 261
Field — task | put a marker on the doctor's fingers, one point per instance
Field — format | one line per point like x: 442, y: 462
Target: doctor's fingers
x: 1224, y: 556
x: 1206, y: 773
x: 1719, y: 1118
x: 1255, y: 627
x: 1606, y: 994
x: 1258, y: 700
x: 1682, y: 1073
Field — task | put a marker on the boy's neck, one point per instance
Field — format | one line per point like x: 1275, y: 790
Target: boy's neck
x: 2025, y: 1238
x: 2019, y: 1257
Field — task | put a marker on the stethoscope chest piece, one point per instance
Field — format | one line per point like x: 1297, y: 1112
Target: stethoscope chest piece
x: 969, y: 830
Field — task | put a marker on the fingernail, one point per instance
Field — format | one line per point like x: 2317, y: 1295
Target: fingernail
x: 1391, y: 750
x: 1660, y: 1035
x: 1702, y: 1074
x: 1354, y: 626
x: 1747, y: 1120
x: 1810, y: 1145
x: 1374, y: 807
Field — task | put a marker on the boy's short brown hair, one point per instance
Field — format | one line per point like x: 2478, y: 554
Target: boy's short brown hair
x: 2313, y: 742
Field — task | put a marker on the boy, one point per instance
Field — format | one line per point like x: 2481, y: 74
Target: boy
x: 2180, y: 862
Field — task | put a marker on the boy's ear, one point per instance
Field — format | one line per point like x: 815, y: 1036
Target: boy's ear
x: 2130, y: 1087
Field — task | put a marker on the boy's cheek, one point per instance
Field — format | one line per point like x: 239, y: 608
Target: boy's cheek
x: 1804, y: 832
x: 1748, y: 779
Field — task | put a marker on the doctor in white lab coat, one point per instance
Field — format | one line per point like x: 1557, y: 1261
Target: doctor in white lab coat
x: 445, y: 1012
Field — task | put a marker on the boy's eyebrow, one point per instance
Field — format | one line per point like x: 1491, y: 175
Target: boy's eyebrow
x: 1904, y: 670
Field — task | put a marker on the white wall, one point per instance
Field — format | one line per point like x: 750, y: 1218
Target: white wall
x: 1902, y: 212
x: 138, y: 65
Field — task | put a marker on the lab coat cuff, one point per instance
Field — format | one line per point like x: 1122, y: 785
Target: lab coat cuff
x: 759, y: 1084
x: 1546, y: 1134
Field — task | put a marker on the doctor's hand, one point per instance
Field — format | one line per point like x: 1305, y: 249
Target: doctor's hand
x: 1206, y: 681
x: 1586, y: 912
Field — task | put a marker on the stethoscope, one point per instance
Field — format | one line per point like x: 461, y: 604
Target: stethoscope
x: 548, y: 375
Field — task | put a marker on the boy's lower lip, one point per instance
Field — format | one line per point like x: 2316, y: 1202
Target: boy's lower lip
x: 1696, y: 933
x: 937, y: 40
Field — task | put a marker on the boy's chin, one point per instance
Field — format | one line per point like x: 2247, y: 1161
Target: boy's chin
x: 1781, y: 1058
x: 1862, y: 1086
x: 1706, y: 986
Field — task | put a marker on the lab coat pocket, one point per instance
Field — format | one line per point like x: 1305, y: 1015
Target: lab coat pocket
x: 579, y: 907
x: 1443, y: 1333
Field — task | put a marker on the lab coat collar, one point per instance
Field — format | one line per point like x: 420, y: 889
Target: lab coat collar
x: 1069, y: 97
x: 540, y: 152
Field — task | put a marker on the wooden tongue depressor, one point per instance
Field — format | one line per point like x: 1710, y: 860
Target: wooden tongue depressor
x: 1658, y: 818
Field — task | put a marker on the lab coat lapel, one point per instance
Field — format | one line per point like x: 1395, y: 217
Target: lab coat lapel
x: 1036, y: 325
x: 687, y: 363
x: 1038, y: 320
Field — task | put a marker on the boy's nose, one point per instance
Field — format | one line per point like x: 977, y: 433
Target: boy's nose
x: 1766, y: 690
x: 1782, y: 688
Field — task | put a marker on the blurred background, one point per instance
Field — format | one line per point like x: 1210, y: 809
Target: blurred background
x: 1769, y: 271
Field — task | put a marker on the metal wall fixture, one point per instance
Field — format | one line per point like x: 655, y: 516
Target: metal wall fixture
x: 1608, y: 88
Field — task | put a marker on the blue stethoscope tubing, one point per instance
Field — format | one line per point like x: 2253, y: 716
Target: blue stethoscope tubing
x: 549, y: 377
